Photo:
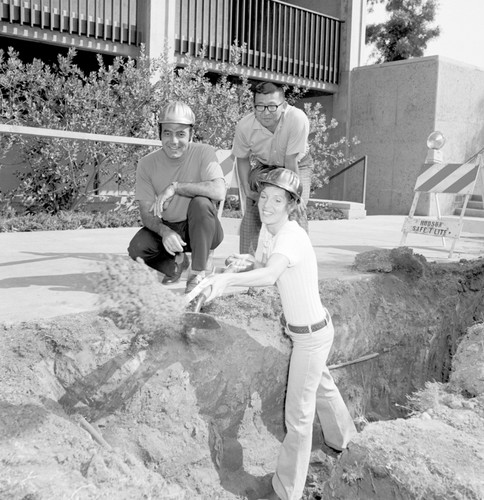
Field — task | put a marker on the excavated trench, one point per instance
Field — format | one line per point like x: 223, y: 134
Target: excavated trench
x: 203, y: 408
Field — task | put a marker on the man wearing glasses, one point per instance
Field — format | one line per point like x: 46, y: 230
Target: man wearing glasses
x: 275, y: 134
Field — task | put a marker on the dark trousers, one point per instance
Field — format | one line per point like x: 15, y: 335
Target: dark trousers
x: 201, y: 231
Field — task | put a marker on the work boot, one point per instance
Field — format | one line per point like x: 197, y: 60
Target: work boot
x: 330, y: 451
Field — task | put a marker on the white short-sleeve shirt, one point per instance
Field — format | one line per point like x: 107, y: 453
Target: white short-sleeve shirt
x: 290, y: 137
x: 298, y: 285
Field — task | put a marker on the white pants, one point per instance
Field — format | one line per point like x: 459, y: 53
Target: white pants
x: 310, y: 388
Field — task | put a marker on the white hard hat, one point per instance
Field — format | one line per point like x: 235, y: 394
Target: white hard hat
x: 177, y: 112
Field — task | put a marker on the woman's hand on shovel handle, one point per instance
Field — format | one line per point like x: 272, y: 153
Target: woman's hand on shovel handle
x: 214, y: 286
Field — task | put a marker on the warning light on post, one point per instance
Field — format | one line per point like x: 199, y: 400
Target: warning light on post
x: 435, y: 142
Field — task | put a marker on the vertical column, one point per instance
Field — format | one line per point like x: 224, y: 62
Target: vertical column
x: 352, y: 52
x: 356, y: 29
x: 157, y: 24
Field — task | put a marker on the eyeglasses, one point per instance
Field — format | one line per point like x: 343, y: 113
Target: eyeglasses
x: 271, y: 107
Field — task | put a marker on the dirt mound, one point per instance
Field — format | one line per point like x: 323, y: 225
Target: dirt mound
x: 92, y: 410
x: 437, y: 453
x: 45, y: 453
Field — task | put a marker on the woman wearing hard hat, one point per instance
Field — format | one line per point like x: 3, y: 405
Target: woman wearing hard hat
x: 285, y: 257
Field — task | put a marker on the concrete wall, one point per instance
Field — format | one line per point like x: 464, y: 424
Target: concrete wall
x: 460, y: 109
x: 393, y: 107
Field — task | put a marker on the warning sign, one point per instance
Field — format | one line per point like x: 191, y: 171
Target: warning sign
x: 447, y: 229
x: 450, y: 178
x: 439, y: 178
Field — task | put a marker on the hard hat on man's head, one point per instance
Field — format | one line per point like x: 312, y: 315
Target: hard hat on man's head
x: 177, y: 112
x: 285, y: 179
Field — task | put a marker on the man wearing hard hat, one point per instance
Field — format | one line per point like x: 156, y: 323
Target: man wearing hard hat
x: 274, y: 135
x: 177, y: 189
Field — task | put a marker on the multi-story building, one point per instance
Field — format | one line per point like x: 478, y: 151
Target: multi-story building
x: 310, y: 43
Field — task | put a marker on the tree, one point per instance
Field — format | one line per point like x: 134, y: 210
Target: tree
x: 371, y: 4
x: 406, y: 33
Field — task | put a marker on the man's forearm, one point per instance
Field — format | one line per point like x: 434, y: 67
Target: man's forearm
x: 215, y: 190
x: 154, y: 224
x: 149, y: 220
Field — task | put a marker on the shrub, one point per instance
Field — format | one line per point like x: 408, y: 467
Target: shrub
x: 327, y: 155
x: 123, y: 216
x: 322, y: 211
x: 63, y: 220
x: 123, y: 99
x: 114, y: 100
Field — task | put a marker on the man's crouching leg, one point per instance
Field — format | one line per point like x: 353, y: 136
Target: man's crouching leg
x: 148, y: 246
x: 205, y: 234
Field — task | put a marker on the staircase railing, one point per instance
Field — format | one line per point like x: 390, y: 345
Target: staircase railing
x: 363, y: 159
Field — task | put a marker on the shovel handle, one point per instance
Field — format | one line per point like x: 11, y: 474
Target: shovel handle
x: 201, y: 299
x: 191, y: 295
x: 204, y: 293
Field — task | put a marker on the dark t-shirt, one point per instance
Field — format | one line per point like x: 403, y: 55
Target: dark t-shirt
x: 156, y: 171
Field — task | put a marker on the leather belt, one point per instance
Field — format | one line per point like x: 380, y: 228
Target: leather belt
x: 304, y: 329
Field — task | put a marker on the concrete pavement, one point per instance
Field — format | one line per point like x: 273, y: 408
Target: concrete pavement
x: 50, y: 273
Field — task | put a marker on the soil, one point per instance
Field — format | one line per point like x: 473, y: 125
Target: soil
x: 133, y: 404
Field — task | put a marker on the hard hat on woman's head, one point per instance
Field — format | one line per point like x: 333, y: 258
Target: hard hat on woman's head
x: 285, y: 179
x: 177, y: 112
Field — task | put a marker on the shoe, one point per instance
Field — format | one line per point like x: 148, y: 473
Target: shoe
x: 179, y: 268
x: 267, y: 492
x: 330, y: 451
x: 193, y: 280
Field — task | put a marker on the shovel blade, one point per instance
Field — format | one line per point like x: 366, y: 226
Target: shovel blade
x: 200, y: 321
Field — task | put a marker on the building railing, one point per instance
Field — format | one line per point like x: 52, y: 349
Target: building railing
x: 279, y: 37
x: 283, y: 42
x: 108, y: 20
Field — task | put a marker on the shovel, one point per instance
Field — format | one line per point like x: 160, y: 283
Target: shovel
x: 196, y: 319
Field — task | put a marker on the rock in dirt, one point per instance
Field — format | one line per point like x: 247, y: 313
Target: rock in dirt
x: 468, y: 362
x: 388, y: 260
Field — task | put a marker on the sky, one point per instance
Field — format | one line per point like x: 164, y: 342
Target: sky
x: 461, y: 25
